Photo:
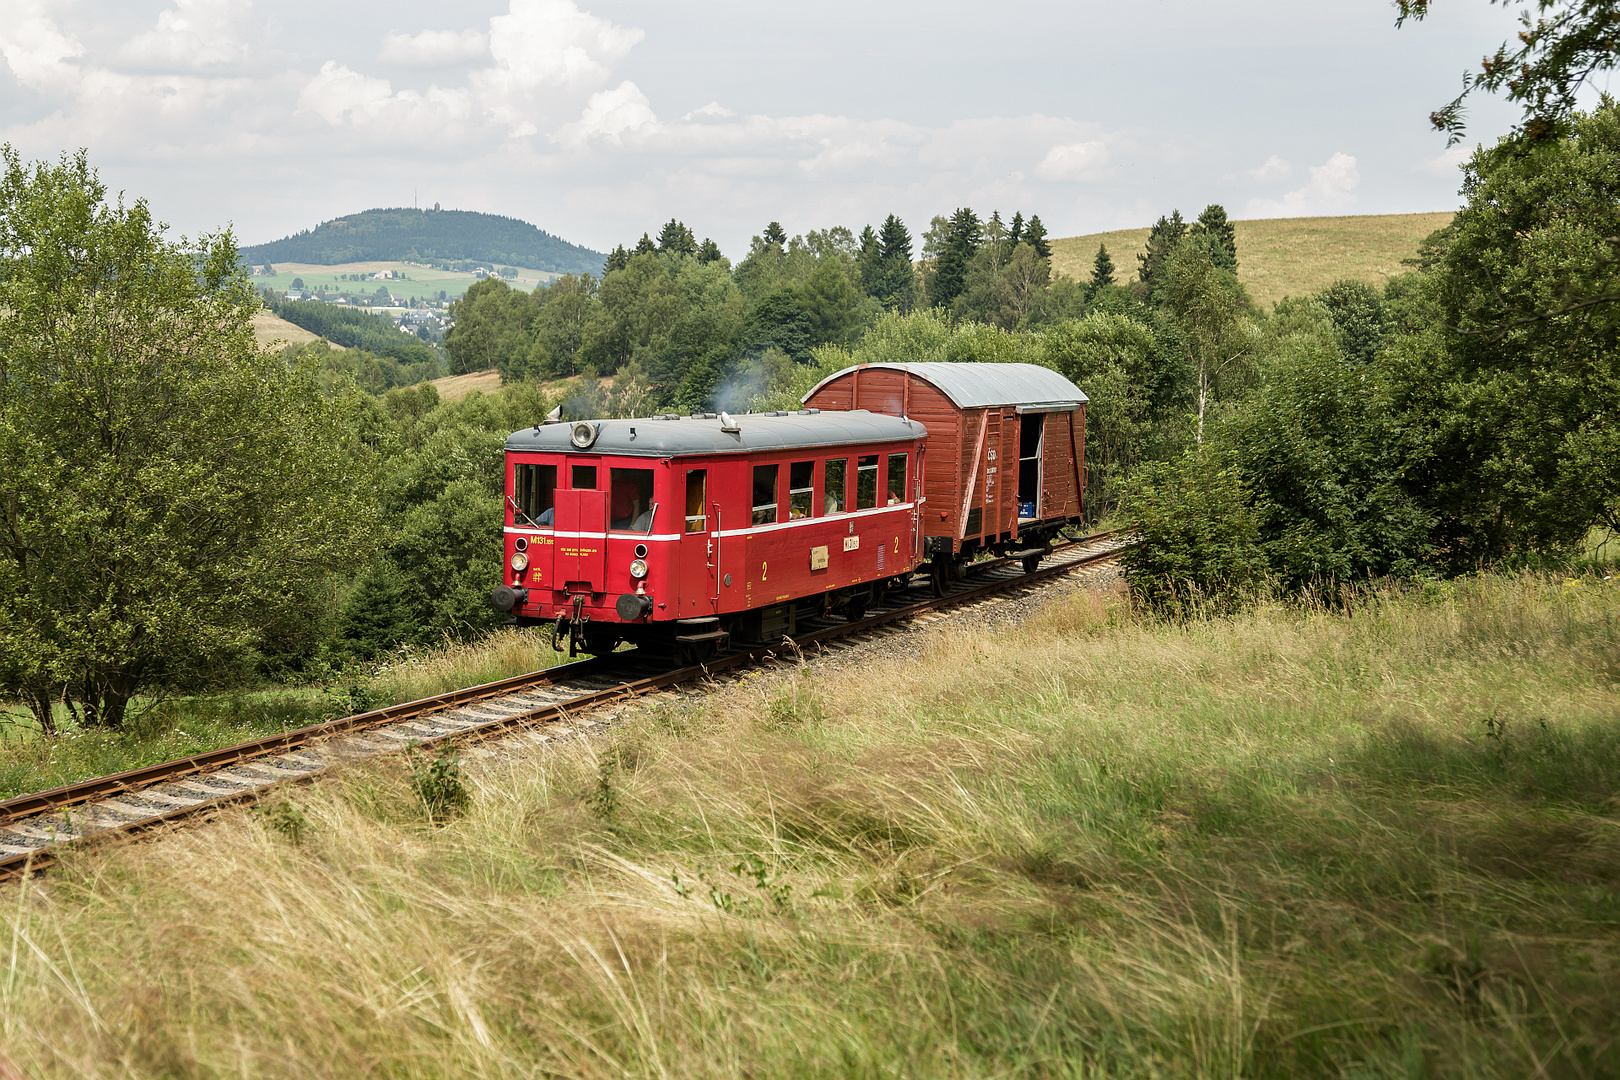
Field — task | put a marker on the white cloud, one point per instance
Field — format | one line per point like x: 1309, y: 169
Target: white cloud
x: 713, y: 109
x: 1074, y: 163
x: 434, y: 48
x: 192, y: 35
x: 546, y: 54
x: 1273, y: 168
x: 541, y: 45
x: 36, y: 50
x: 341, y: 96
x: 1445, y: 164
x: 609, y: 115
x: 1331, y: 190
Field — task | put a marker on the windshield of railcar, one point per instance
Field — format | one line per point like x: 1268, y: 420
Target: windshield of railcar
x: 534, y: 490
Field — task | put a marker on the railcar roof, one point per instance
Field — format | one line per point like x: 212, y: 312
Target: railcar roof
x: 973, y: 386
x: 671, y: 436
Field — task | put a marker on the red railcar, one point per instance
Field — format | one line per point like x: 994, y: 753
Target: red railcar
x: 690, y: 529
x: 1006, y: 451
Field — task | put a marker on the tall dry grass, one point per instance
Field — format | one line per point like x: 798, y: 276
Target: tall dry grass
x: 499, y: 654
x: 1374, y: 843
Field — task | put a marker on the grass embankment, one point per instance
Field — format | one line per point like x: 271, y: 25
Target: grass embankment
x: 1280, y: 257
x: 176, y: 728
x: 1286, y: 844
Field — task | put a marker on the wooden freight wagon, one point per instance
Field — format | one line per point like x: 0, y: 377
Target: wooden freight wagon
x: 1004, y: 460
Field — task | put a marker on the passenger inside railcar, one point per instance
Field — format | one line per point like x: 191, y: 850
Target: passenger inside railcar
x: 835, y: 485
x: 897, y: 479
x: 631, y: 500
x: 801, y: 489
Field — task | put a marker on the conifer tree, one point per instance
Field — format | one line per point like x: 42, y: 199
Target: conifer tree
x: 1035, y: 237
x: 868, y: 260
x: 896, y: 241
x: 708, y: 252
x: 676, y: 237
x: 645, y: 246
x: 962, y: 239
x: 617, y: 259
x: 1166, y: 233
x: 895, y: 283
x: 1102, y: 269
x: 1212, y: 223
x: 1016, y: 232
x: 775, y: 235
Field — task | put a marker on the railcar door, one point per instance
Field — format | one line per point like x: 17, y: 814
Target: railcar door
x: 581, y: 532
x: 700, y: 549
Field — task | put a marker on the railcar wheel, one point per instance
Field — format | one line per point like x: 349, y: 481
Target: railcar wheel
x: 696, y: 652
x: 855, y: 608
x: 939, y: 576
x: 1031, y: 563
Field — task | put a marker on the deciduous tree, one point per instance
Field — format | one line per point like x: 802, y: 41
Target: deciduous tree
x: 165, y: 485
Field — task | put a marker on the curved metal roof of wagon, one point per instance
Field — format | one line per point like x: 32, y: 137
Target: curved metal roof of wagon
x: 672, y: 436
x: 975, y: 385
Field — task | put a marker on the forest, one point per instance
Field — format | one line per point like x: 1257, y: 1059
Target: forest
x: 356, y: 328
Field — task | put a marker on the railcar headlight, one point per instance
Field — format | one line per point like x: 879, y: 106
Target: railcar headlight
x: 638, y: 569
x: 520, y: 562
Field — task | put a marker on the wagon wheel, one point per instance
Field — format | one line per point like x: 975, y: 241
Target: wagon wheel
x: 938, y: 576
x: 1032, y: 562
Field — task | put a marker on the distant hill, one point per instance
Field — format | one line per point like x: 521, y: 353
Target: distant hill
x: 429, y: 236
x: 1280, y: 257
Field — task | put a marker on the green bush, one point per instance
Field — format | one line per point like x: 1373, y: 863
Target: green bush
x: 1200, y: 533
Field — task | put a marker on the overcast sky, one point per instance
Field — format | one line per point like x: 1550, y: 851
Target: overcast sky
x: 602, y: 121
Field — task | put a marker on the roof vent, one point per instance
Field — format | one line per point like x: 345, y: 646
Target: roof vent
x: 703, y: 416
x: 727, y: 424
x: 667, y: 416
x: 810, y: 412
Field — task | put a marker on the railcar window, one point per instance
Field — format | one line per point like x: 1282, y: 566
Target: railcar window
x: 836, y: 485
x: 584, y: 477
x: 764, y: 494
x: 536, y: 495
x: 801, y: 489
x: 697, y: 485
x: 897, y: 478
x: 631, y: 500
x: 866, y: 482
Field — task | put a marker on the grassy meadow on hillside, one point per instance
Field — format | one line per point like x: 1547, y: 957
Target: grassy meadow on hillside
x: 270, y: 329
x: 1374, y: 842
x: 1279, y: 257
x: 420, y: 282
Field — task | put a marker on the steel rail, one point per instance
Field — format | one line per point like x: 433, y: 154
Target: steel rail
x: 134, y: 780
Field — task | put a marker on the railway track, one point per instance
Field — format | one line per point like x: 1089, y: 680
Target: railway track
x: 540, y: 706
